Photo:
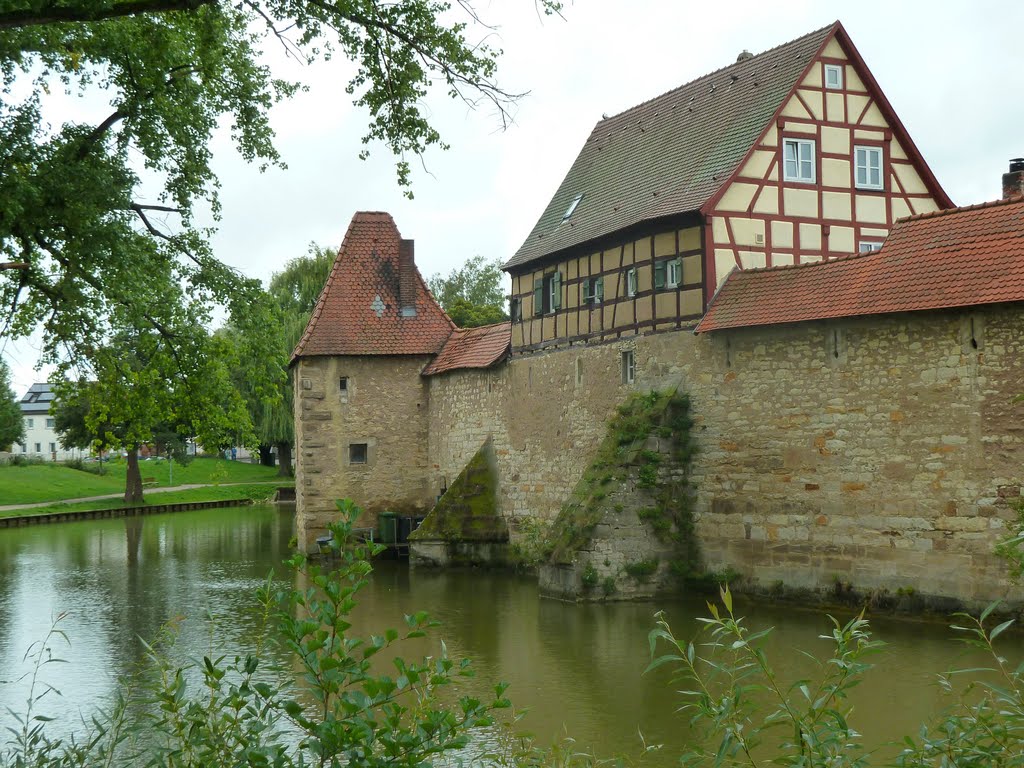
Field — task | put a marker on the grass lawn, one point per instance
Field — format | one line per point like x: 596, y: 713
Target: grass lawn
x: 53, y: 482
x: 212, y: 493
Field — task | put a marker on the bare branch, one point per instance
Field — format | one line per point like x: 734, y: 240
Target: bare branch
x: 55, y: 13
x: 291, y: 50
x: 161, y: 208
x: 5, y: 265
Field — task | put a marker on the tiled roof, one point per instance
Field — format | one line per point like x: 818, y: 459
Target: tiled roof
x: 669, y: 155
x: 359, y: 311
x: 956, y: 258
x: 473, y: 348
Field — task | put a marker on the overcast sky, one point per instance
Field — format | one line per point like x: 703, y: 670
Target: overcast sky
x: 953, y: 72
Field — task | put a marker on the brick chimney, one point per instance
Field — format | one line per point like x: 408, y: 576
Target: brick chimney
x: 407, y: 278
x: 1013, y: 182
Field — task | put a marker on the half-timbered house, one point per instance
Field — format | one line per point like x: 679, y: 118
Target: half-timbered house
x: 791, y: 156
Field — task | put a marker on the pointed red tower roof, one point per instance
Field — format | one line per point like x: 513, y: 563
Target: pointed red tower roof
x: 375, y: 301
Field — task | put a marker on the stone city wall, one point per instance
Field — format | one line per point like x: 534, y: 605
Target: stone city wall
x: 884, y: 453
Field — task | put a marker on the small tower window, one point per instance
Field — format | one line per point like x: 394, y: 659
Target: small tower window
x: 357, y: 453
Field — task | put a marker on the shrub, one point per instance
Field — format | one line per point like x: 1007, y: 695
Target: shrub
x: 736, y: 702
x: 642, y: 570
x: 589, y: 577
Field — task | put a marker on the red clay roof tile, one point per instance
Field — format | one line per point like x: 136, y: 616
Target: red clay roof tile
x: 473, y: 348
x: 954, y: 258
x: 358, y: 312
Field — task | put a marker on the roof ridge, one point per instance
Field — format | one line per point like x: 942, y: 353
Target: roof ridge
x: 1013, y: 200
x: 707, y: 75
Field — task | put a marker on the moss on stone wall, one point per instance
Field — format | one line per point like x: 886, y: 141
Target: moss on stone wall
x: 626, y: 453
x: 468, y: 510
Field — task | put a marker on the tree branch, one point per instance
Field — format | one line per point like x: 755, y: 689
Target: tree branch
x: 5, y: 265
x: 54, y: 13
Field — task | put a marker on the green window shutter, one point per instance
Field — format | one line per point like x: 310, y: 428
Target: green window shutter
x: 679, y: 271
x: 659, y: 275
x: 585, y: 288
x: 599, y: 290
x: 556, y: 290
x: 538, y: 296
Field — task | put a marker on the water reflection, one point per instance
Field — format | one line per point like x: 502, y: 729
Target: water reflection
x: 578, y: 669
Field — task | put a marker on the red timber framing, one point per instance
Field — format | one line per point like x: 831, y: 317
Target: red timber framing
x: 816, y: 241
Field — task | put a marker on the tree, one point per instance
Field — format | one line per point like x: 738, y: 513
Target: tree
x: 471, y: 295
x: 128, y: 399
x: 12, y: 425
x: 293, y: 292
x: 79, y: 238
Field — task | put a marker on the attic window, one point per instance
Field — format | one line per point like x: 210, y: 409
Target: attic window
x: 572, y: 206
x: 833, y: 77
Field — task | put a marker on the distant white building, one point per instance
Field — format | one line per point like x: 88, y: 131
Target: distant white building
x: 40, y: 434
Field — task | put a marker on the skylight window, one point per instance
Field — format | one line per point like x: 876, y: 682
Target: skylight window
x: 572, y: 206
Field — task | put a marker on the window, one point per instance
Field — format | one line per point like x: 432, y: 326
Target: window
x: 30, y: 423
x: 547, y: 293
x: 628, y: 367
x: 344, y: 387
x: 357, y: 453
x: 833, y: 76
x: 798, y: 160
x: 866, y: 246
x: 868, y: 164
x: 572, y: 206
x: 592, y: 290
x: 515, y: 309
x: 24, y: 449
x: 49, y: 423
x: 631, y: 282
x: 53, y: 447
x: 668, y: 274
x: 39, y: 448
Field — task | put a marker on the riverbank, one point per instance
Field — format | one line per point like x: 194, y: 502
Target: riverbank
x: 35, y: 483
x: 170, y: 500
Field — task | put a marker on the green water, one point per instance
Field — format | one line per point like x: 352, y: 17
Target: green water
x: 576, y: 669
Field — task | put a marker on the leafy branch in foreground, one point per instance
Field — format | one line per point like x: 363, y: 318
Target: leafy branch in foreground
x: 735, y: 698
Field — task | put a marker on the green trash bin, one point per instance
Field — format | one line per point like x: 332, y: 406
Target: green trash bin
x: 387, y: 525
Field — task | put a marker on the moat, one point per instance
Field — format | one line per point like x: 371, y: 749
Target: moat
x: 577, y: 669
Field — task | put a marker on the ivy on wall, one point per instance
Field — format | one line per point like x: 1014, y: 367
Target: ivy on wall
x: 623, y: 454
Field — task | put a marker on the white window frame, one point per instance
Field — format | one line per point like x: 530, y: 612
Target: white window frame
x: 869, y: 152
x: 30, y: 423
x: 50, y: 423
x: 838, y: 69
x: 631, y: 282
x: 628, y: 366
x: 799, y: 177
x: 674, y: 273
x: 869, y: 246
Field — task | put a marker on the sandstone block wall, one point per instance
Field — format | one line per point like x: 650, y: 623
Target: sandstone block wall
x: 385, y: 407
x: 883, y: 452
